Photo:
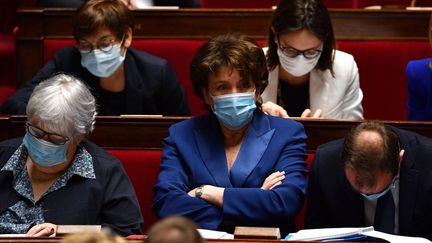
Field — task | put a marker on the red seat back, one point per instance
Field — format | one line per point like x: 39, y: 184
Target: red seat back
x: 382, y: 67
x: 142, y: 167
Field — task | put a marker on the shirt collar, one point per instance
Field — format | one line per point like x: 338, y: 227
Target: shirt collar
x: 82, y: 164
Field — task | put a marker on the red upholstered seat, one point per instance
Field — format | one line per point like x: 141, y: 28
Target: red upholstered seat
x: 365, y: 3
x: 6, y: 91
x: 382, y: 74
x: 301, y: 216
x: 142, y: 167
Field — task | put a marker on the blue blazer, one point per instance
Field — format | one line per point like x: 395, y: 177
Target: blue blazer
x: 194, y: 155
x: 332, y: 202
x: 419, y: 76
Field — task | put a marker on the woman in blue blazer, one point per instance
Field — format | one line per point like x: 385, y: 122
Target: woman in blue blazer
x: 419, y: 76
x: 235, y: 166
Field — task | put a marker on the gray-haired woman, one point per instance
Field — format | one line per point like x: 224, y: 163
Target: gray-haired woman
x: 54, y: 176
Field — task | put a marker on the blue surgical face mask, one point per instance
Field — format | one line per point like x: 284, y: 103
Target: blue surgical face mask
x: 376, y: 196
x: 235, y: 110
x: 103, y: 64
x: 45, y: 153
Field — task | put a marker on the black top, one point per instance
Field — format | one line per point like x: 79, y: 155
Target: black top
x: 108, y: 200
x: 115, y: 102
x: 152, y: 87
x: 332, y: 202
x: 294, y: 99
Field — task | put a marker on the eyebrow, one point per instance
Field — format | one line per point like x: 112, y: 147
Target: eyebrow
x: 103, y: 37
x: 310, y: 49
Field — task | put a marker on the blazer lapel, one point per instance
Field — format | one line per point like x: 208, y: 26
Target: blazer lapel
x: 407, y: 192
x: 252, y: 149
x: 211, y: 148
x: 134, y: 88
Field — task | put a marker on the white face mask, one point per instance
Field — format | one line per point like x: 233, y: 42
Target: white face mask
x: 297, y: 66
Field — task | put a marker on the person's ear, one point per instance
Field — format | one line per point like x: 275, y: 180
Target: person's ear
x: 128, y: 38
x: 401, y: 154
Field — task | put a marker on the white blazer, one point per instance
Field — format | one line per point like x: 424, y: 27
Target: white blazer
x: 338, y: 97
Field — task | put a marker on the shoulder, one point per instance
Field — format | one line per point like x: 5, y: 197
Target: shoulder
x: 284, y: 123
x: 146, y: 58
x: 421, y: 65
x: 190, y: 124
x: 68, y: 52
x: 7, y: 148
x: 343, y: 60
x: 102, y: 160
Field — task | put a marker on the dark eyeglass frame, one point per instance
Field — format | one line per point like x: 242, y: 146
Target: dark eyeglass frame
x: 31, y: 129
x: 292, y: 52
x: 105, y: 49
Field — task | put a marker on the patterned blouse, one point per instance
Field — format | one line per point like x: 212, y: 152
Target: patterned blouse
x: 20, y: 217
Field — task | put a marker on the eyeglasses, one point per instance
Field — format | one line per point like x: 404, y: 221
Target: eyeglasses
x: 292, y: 52
x: 105, y: 45
x: 52, y: 137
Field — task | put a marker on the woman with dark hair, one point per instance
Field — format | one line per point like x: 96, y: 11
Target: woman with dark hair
x: 123, y: 80
x: 308, y: 77
x: 235, y: 165
x: 419, y: 76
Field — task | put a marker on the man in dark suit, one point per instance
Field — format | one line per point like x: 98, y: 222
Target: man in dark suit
x: 378, y: 175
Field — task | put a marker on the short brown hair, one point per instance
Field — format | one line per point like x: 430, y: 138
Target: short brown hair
x: 231, y: 50
x: 94, y: 14
x: 175, y: 229
x: 294, y: 15
x: 368, y: 159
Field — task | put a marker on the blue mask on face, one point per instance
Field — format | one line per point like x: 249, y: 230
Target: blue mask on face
x: 45, y: 153
x: 376, y: 196
x: 235, y: 110
x: 103, y: 64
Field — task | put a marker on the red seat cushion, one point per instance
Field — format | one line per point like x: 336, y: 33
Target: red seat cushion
x: 142, y: 167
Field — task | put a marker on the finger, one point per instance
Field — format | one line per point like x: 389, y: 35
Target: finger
x: 275, y: 185
x: 283, y: 114
x: 33, y: 230
x: 306, y: 113
x: 275, y: 174
x: 272, y: 182
x: 45, y: 232
x: 317, y: 113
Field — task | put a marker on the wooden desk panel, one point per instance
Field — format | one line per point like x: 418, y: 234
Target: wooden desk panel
x: 148, y: 133
x: 349, y: 24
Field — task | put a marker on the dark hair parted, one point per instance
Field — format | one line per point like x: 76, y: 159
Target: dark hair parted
x: 174, y: 229
x: 295, y: 15
x: 95, y: 14
x: 371, y: 156
x: 231, y: 50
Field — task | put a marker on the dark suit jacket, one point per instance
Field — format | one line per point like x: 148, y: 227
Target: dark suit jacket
x: 331, y: 201
x: 108, y: 200
x: 151, y: 84
x: 194, y: 155
x: 419, y: 76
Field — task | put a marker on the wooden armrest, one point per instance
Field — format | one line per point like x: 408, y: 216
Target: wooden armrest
x: 256, y: 233
x: 70, y: 229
